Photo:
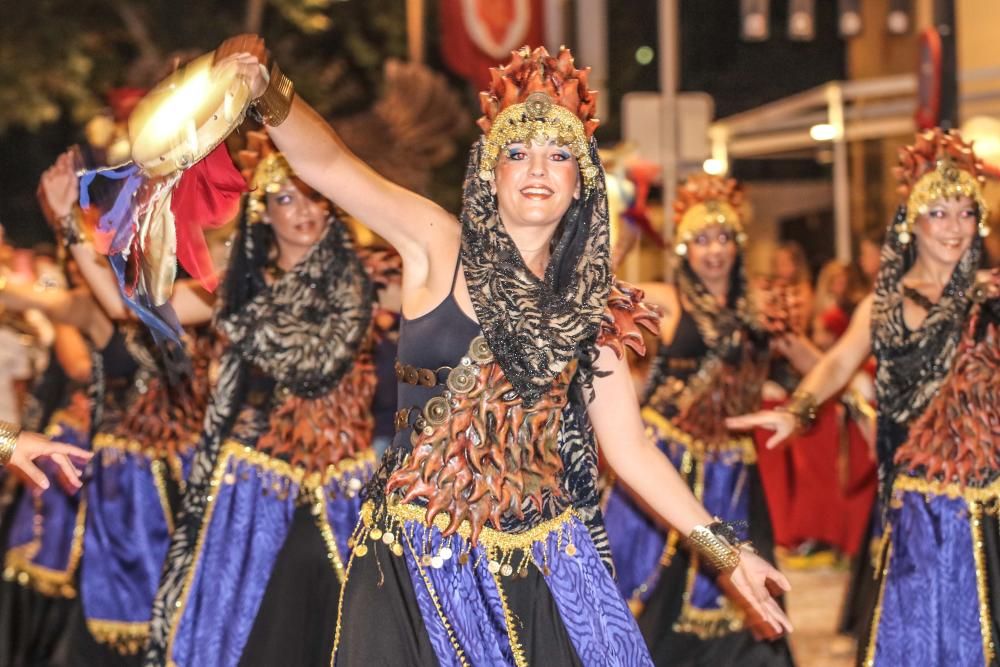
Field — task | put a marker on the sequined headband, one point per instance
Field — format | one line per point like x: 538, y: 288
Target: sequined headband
x: 946, y: 181
x: 538, y: 119
x: 270, y: 175
x: 705, y: 214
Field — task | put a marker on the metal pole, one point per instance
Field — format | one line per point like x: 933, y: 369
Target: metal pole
x: 555, y: 24
x: 592, y: 47
x: 841, y: 180
x: 669, y: 36
x: 944, y: 20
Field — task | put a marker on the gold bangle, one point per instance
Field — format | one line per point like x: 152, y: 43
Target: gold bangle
x: 802, y: 406
x: 8, y: 441
x: 719, y: 553
x: 275, y: 102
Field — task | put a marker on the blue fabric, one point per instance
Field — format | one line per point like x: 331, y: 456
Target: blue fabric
x: 930, y: 603
x: 125, y: 540
x: 636, y: 540
x: 596, y: 618
x: 56, y: 512
x: 343, y: 505
x: 250, y: 520
x: 726, y: 495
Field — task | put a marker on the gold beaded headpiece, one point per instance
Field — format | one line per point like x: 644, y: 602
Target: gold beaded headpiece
x: 539, y: 98
x: 939, y: 166
x: 265, y: 170
x: 704, y: 200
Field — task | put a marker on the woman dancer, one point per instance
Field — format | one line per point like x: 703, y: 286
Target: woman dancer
x: 480, y: 541
x: 712, y: 362
x: 933, y: 330
x: 287, y: 445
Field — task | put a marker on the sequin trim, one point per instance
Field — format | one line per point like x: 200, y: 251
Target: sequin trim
x: 126, y: 638
x: 18, y: 565
x: 700, y: 450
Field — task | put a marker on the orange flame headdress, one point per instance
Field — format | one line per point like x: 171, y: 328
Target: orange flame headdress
x: 704, y: 200
x: 939, y: 165
x: 539, y: 97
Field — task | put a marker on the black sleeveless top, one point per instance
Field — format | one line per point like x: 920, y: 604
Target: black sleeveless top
x: 438, y: 338
x: 677, y: 361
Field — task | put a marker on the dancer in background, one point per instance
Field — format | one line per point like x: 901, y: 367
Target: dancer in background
x: 712, y: 361
x: 932, y: 326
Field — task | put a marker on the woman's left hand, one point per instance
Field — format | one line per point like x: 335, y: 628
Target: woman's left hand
x: 754, y: 585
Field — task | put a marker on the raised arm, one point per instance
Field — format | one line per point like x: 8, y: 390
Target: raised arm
x: 648, y: 474
x: 59, y: 192
x: 413, y: 224
x: 827, y: 377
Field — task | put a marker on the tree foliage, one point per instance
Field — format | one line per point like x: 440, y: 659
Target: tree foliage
x: 58, y: 58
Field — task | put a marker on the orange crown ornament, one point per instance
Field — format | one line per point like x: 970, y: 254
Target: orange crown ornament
x: 539, y: 97
x: 704, y: 200
x: 939, y: 165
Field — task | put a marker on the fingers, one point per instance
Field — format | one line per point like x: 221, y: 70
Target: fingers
x: 74, y: 453
x: 776, y: 578
x: 68, y: 474
x: 29, y: 473
x: 247, y: 43
x: 775, y: 440
x: 753, y: 420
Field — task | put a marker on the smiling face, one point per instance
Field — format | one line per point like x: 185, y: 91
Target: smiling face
x: 535, y: 183
x: 946, y: 231
x: 712, y: 253
x: 297, y: 218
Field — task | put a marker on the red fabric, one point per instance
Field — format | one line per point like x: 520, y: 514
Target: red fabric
x: 776, y: 476
x: 835, y: 320
x: 496, y: 17
x: 207, y: 196
x: 815, y: 491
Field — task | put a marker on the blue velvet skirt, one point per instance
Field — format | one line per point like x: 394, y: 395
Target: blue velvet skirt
x: 683, y: 614
x: 126, y: 532
x: 543, y: 596
x: 44, y: 541
x: 46, y: 534
x: 251, y: 515
x: 938, y: 587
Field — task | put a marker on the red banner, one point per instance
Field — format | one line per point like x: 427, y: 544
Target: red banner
x: 479, y: 34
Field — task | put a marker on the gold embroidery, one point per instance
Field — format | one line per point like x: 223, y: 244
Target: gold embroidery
x: 877, y: 616
x: 53, y: 583
x: 663, y: 429
x: 157, y: 469
x: 985, y: 620
x: 126, y: 638
x: 971, y: 494
x: 323, y: 522
x: 508, y: 615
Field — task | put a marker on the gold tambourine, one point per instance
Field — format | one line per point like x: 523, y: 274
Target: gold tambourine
x: 186, y: 116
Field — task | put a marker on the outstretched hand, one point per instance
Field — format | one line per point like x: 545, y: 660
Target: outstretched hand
x: 248, y: 54
x: 782, y: 423
x: 60, y: 186
x: 31, y: 447
x: 754, y: 585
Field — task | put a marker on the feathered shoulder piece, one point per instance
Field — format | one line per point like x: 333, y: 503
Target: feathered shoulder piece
x: 626, y: 312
